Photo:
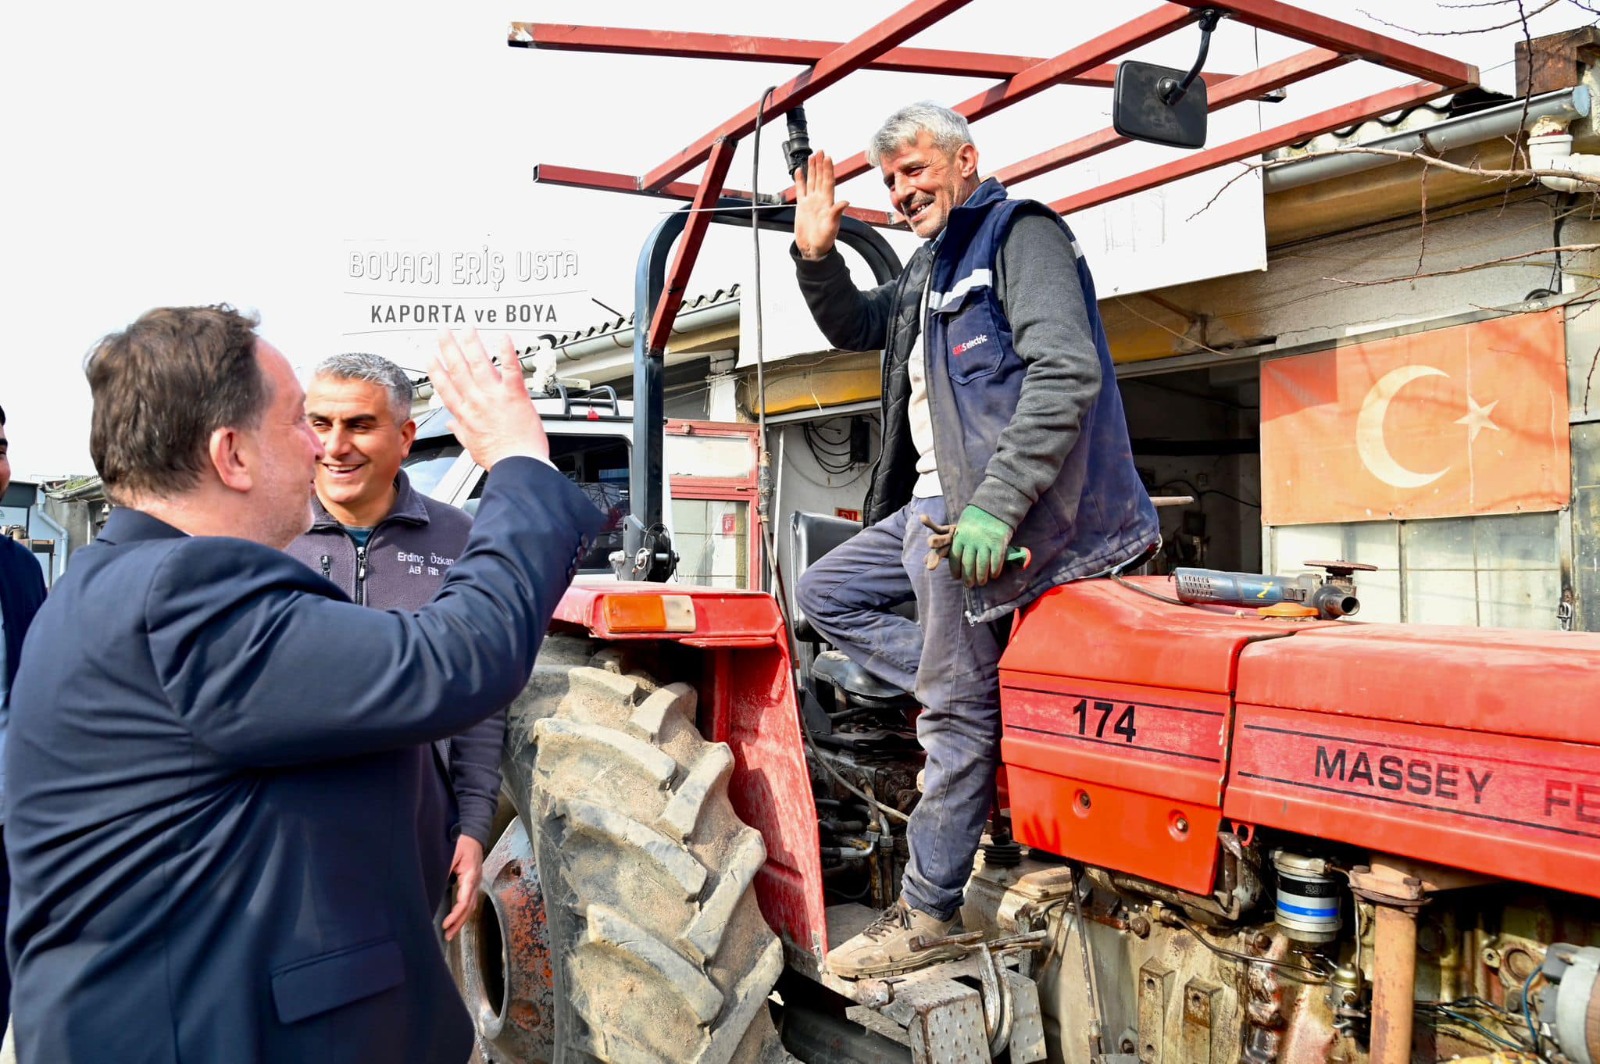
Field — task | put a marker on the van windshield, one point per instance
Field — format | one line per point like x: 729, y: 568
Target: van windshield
x: 599, y: 466
x: 428, y: 462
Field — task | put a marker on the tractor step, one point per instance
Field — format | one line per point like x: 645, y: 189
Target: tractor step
x: 964, y: 1011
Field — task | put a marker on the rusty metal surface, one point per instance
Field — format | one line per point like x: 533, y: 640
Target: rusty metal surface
x: 505, y: 967
x: 1394, y: 975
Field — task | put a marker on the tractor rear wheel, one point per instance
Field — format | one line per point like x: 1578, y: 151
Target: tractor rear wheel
x: 660, y: 953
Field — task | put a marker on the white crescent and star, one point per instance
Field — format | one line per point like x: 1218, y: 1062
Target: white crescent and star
x: 1374, y: 448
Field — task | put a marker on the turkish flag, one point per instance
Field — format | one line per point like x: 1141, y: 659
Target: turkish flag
x: 1470, y: 419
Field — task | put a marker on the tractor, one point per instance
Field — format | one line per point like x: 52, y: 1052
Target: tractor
x: 1222, y: 833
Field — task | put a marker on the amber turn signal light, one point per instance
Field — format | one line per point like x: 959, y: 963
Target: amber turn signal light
x: 649, y: 613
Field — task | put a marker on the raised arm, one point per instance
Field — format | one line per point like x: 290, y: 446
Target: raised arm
x: 264, y: 669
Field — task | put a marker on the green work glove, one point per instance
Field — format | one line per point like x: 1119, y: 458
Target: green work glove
x: 978, y: 552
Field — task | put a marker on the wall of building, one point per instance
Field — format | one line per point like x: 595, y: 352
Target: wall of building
x: 802, y: 484
x: 1511, y: 569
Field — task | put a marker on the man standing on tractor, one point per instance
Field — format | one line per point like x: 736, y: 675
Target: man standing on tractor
x: 1001, y: 411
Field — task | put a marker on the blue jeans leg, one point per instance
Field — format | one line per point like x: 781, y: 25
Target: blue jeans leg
x: 952, y: 666
x: 848, y: 595
x: 958, y: 685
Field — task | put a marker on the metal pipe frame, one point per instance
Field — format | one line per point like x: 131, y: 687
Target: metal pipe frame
x: 608, y: 181
x: 666, y: 311
x: 659, y: 292
x: 1266, y: 140
x: 652, y: 285
x: 1235, y: 90
x: 676, y: 44
x: 1030, y: 82
x: 829, y: 70
x: 880, y: 48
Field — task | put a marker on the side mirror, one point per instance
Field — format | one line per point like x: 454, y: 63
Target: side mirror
x: 1140, y: 107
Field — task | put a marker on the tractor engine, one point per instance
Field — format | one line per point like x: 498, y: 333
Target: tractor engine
x: 1288, y: 966
x: 1226, y: 836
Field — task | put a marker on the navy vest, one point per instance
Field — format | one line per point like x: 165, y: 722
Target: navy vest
x: 1097, y: 515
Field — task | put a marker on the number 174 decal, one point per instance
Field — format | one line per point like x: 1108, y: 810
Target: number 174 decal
x: 1093, y: 716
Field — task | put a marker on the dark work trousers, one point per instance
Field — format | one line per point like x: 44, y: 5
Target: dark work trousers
x: 952, y: 666
x: 5, y: 908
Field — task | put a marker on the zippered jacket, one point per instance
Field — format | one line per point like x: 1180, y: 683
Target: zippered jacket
x: 405, y: 560
x: 1027, y: 421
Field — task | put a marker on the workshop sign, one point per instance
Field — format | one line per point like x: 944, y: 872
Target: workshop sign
x: 1451, y: 422
x: 397, y: 294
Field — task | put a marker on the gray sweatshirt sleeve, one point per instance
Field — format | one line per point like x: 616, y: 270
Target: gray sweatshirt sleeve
x: 852, y: 320
x: 1037, y: 284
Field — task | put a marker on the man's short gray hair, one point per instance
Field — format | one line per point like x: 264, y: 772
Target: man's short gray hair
x: 948, y: 129
x: 360, y: 366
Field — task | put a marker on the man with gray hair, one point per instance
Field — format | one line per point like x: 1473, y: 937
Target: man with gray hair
x: 1001, y: 416
x: 388, y: 546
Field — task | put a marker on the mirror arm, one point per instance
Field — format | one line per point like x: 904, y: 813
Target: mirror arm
x: 1173, y: 91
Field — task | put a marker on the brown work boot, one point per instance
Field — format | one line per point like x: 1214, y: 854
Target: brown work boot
x: 886, y: 946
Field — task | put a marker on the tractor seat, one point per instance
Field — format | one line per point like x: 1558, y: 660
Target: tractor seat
x: 860, y: 687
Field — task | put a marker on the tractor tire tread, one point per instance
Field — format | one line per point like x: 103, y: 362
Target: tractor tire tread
x: 661, y: 953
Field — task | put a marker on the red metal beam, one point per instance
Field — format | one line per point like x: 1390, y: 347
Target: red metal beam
x: 1148, y: 27
x: 891, y: 32
x: 1266, y: 140
x: 694, y: 234
x: 606, y: 181
x: 685, y: 45
x: 1047, y: 72
x: 1244, y: 87
x: 1342, y: 37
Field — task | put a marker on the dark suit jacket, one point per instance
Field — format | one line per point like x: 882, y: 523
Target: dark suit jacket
x: 21, y: 593
x: 465, y: 790
x: 214, y: 762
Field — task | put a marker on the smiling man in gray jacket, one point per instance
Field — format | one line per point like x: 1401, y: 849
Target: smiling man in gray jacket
x: 390, y: 547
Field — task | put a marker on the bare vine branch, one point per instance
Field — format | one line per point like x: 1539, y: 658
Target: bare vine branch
x: 1522, y: 18
x: 1506, y: 260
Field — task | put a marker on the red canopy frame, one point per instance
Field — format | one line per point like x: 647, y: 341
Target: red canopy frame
x: 881, y: 47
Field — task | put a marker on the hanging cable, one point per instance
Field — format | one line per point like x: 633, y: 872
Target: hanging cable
x: 764, y: 482
x: 763, y: 455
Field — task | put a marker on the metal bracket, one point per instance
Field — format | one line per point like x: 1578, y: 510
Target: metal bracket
x: 1173, y: 91
x: 947, y: 1020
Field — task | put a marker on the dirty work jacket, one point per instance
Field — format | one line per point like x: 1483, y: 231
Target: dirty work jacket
x: 403, y: 564
x: 212, y: 761
x: 1058, y: 468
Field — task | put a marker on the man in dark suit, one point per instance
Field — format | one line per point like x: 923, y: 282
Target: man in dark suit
x: 214, y: 754
x: 21, y: 593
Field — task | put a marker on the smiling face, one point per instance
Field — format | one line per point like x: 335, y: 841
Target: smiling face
x: 363, y: 446
x: 926, y: 183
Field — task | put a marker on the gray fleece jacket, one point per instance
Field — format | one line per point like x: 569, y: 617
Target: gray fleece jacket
x: 407, y: 557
